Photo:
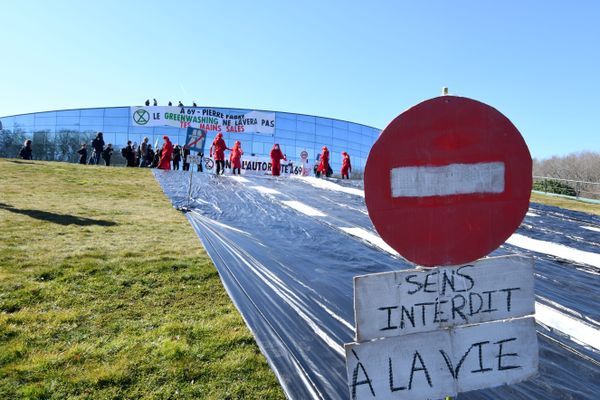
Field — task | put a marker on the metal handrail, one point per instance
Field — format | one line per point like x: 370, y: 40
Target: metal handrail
x: 566, y: 180
x: 578, y: 186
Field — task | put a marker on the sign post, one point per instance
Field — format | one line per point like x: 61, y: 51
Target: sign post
x: 192, y: 159
x: 446, y: 183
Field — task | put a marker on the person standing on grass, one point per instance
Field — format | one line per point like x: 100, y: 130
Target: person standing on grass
x: 276, y: 157
x: 176, y: 156
x: 98, y: 146
x: 346, y: 167
x: 26, y: 152
x: 324, y: 164
x: 149, y: 156
x: 166, y: 155
x: 129, y: 153
x: 143, y: 152
x: 236, y: 158
x: 107, y: 154
x: 82, y: 154
x: 218, y: 148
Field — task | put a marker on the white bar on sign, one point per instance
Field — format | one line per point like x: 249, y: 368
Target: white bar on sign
x: 442, y: 363
x: 420, y: 300
x: 447, y: 180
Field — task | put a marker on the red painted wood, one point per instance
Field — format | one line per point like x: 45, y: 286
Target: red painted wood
x: 453, y: 229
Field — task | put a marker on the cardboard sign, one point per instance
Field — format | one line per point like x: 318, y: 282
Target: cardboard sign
x: 193, y: 159
x: 409, y: 301
x: 443, y: 363
x: 448, y: 181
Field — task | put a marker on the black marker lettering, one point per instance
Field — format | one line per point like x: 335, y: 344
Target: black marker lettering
x: 489, y: 301
x: 467, y: 277
x: 389, y: 317
x: 481, y: 368
x: 418, y: 284
x: 458, y: 309
x: 356, y: 382
x: 391, y: 374
x: 410, y: 316
x: 509, y: 296
x: 500, y: 355
x: 421, y: 368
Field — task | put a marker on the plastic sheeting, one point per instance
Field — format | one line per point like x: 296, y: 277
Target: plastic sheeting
x: 289, y: 271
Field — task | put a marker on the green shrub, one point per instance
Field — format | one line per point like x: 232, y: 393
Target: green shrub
x: 552, y: 186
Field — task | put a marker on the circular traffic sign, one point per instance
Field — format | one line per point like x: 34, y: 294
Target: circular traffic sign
x: 448, y: 181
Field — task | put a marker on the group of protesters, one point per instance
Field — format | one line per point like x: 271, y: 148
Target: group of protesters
x: 170, y: 104
x: 218, y: 147
x: 98, y: 151
x: 143, y: 155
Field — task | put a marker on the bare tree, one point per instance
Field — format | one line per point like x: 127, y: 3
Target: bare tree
x: 582, y: 168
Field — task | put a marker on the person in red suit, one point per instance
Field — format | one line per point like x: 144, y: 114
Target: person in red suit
x: 276, y: 157
x: 236, y: 158
x: 346, y: 166
x: 324, y: 164
x: 167, y: 154
x: 217, y: 149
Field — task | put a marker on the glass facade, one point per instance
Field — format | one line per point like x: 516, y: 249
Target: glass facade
x: 57, y: 135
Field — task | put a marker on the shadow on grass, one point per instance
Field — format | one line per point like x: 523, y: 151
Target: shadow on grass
x: 61, y: 219
x: 21, y: 162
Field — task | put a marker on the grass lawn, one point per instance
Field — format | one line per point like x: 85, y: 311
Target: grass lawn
x: 566, y: 203
x: 106, y: 293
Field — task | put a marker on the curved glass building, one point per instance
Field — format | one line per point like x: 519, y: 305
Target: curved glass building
x: 57, y: 135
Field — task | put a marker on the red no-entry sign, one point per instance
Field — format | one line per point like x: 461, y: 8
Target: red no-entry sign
x: 448, y: 181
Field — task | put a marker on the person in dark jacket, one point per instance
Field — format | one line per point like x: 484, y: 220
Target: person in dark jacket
x: 98, y: 146
x: 186, y: 152
x: 156, y: 159
x: 26, y: 152
x: 129, y: 153
x: 176, y: 156
x: 107, y: 154
x: 142, y: 152
x: 149, y: 156
x: 82, y: 154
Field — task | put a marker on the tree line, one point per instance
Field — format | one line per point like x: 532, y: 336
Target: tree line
x: 575, y: 173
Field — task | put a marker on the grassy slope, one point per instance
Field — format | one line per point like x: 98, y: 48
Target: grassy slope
x: 566, y: 203
x: 105, y: 292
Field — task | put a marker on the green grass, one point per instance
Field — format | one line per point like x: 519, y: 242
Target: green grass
x: 570, y: 204
x: 106, y: 293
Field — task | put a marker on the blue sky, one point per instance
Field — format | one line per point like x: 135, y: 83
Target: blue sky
x: 538, y: 62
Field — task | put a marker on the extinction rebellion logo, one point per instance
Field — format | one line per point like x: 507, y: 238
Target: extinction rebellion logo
x: 141, y: 117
